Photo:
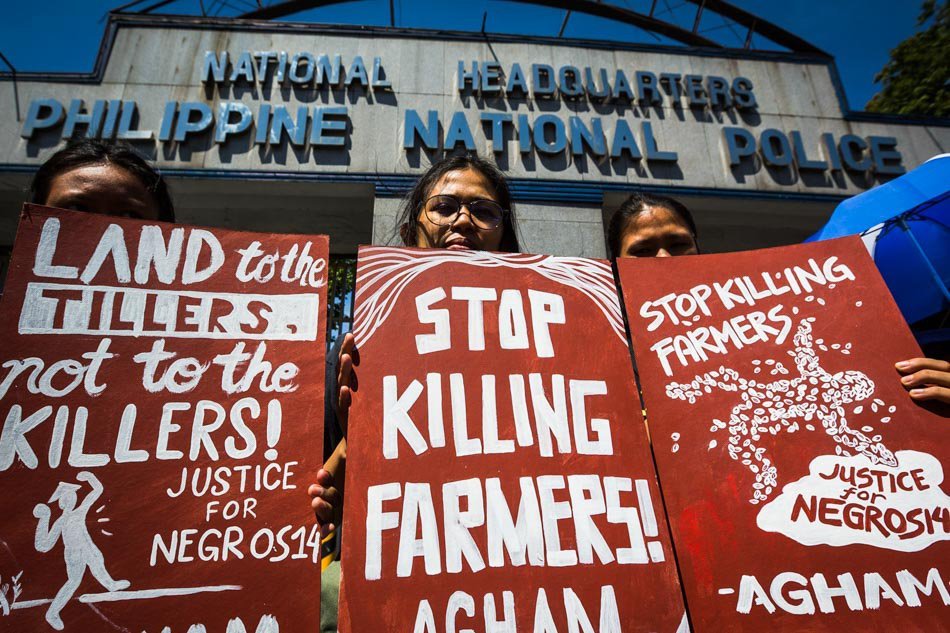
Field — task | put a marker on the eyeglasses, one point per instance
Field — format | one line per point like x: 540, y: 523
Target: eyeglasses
x: 485, y: 214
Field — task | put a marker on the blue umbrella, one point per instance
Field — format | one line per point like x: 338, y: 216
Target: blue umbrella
x: 906, y: 225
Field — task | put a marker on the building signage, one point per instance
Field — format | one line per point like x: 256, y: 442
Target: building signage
x: 604, y: 127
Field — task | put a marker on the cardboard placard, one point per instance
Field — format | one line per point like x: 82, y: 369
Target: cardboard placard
x: 499, y: 474
x: 162, y: 401
x: 804, y: 487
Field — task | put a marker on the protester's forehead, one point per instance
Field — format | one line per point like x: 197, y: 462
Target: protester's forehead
x: 93, y: 174
x: 105, y: 188
x: 655, y: 219
x: 467, y: 181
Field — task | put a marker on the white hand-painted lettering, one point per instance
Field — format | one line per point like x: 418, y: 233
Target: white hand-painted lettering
x: 845, y: 500
x: 42, y: 379
x: 799, y: 595
x: 269, y: 379
x: 211, y: 424
x: 273, y: 544
x: 109, y: 311
x: 43, y: 260
x: 743, y: 291
x: 554, y: 422
x: 388, y: 272
x: 217, y: 481
x: 179, y: 376
x: 297, y: 265
x: 460, y: 611
x: 546, y: 309
x: 534, y: 537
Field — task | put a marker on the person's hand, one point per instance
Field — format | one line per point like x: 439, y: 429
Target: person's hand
x: 926, y: 378
x: 41, y: 510
x: 346, y: 379
x: 326, y: 501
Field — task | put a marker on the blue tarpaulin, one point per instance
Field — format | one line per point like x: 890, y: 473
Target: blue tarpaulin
x: 906, y: 226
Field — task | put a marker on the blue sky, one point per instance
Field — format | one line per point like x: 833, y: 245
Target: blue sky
x: 859, y: 33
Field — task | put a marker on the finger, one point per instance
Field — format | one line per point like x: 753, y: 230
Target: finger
x: 916, y: 364
x: 325, y: 530
x: 349, y: 347
x: 935, y: 394
x: 345, y: 376
x: 315, y: 490
x: 331, y: 496
x: 345, y: 371
x: 322, y: 509
x: 343, y: 410
x: 927, y: 377
x: 346, y: 351
x: 324, y: 478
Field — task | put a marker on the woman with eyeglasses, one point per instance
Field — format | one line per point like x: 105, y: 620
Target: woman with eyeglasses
x: 460, y: 203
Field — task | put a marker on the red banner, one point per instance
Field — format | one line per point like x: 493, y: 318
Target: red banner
x: 804, y: 487
x: 162, y: 400
x: 499, y: 473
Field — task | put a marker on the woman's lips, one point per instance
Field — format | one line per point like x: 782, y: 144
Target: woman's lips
x: 459, y: 244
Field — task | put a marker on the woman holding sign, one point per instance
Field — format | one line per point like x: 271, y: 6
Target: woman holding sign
x: 102, y: 177
x: 657, y: 226
x: 652, y: 226
x: 460, y: 203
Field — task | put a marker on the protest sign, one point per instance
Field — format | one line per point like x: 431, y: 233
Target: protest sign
x: 162, y: 401
x: 804, y: 487
x: 499, y: 475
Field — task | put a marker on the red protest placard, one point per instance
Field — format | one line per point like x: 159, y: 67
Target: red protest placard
x: 804, y: 487
x: 162, y: 402
x: 499, y: 473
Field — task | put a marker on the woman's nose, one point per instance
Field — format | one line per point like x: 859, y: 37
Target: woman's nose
x: 462, y: 218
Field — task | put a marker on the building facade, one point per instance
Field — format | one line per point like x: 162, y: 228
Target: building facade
x: 294, y: 127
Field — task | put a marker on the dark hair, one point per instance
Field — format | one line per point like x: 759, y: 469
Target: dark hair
x: 87, y: 151
x: 634, y: 206
x: 407, y: 222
